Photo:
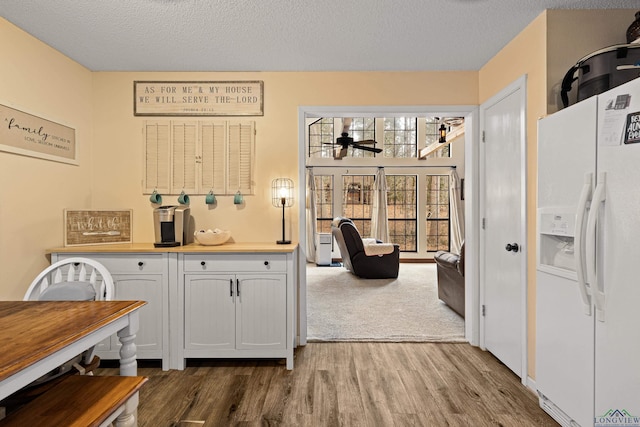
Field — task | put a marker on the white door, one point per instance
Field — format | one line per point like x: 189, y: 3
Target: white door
x: 261, y: 312
x: 503, y: 237
x: 147, y: 288
x: 209, y: 312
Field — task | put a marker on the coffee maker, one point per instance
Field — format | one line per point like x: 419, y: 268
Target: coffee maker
x: 171, y: 226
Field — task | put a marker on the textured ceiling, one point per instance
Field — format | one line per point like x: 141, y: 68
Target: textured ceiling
x: 283, y: 35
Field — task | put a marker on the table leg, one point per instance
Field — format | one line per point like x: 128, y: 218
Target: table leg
x: 129, y: 367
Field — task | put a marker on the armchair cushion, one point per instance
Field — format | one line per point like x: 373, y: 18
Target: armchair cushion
x: 373, y: 247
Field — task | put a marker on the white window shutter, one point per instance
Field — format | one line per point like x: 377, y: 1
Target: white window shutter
x: 183, y: 150
x: 212, y: 141
x: 240, y: 157
x: 157, y: 157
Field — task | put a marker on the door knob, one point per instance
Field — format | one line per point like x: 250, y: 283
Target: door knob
x: 512, y: 247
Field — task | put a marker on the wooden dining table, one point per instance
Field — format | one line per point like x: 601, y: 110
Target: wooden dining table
x: 38, y: 336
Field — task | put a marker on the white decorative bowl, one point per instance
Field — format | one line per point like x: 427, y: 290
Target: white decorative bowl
x: 212, y: 237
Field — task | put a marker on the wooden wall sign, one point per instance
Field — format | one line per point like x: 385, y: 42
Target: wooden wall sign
x: 232, y: 98
x: 29, y: 135
x: 97, y: 227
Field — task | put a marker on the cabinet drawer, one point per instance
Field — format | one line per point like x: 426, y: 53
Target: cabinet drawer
x: 126, y: 263
x: 235, y: 263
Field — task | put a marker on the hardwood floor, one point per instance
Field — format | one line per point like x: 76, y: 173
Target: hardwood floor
x: 342, y: 384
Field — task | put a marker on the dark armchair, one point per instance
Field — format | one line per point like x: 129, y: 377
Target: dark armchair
x: 354, y: 257
x: 450, y: 268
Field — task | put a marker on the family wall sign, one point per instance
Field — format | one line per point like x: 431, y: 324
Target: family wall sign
x: 34, y: 136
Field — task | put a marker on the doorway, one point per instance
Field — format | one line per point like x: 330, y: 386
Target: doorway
x: 470, y: 115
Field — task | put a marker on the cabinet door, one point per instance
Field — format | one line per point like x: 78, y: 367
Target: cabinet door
x: 144, y: 288
x: 261, y: 311
x: 209, y: 307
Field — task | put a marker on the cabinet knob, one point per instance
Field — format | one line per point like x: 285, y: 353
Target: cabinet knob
x: 266, y: 263
x: 140, y: 263
x: 203, y: 263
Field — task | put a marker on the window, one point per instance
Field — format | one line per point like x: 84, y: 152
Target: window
x: 324, y: 132
x: 416, y: 165
x: 321, y: 138
x: 358, y: 200
x: 400, y: 137
x: 324, y: 202
x: 402, y: 212
x: 437, y: 197
x: 361, y: 129
x: 432, y: 138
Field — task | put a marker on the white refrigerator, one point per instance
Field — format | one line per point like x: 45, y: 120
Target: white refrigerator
x: 588, y: 261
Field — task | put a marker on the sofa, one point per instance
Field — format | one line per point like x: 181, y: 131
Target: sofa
x: 383, y: 260
x: 450, y: 270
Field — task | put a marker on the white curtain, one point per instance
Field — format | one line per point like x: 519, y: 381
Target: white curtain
x: 457, y: 212
x: 379, y: 221
x: 310, y: 208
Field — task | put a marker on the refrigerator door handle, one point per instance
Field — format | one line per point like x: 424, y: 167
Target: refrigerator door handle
x: 599, y: 197
x: 583, y: 203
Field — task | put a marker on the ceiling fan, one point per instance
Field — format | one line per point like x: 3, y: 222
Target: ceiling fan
x: 344, y: 141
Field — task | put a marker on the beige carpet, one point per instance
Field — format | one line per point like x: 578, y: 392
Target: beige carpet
x: 342, y: 307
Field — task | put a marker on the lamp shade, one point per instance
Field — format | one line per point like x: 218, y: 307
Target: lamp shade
x: 282, y: 192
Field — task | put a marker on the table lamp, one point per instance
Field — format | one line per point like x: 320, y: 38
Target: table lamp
x: 282, y: 195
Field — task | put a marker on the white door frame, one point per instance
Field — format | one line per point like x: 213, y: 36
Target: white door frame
x: 470, y: 112
x: 519, y: 85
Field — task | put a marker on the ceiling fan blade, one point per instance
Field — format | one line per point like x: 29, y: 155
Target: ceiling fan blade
x: 365, y: 148
x: 366, y: 141
x: 339, y: 152
x: 346, y: 124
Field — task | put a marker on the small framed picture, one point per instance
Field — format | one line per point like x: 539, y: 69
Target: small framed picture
x: 97, y: 226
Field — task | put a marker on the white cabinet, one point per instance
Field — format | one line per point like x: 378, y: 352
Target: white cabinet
x: 144, y: 277
x: 229, y: 312
x: 236, y: 305
x: 235, y: 300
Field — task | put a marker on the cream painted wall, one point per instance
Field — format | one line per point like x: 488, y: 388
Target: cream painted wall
x: 33, y: 193
x: 117, y: 171
x: 544, y: 51
x: 525, y: 54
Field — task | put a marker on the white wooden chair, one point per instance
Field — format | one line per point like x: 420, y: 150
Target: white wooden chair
x: 73, y: 279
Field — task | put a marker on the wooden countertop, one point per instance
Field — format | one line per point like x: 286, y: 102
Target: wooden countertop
x: 229, y: 247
